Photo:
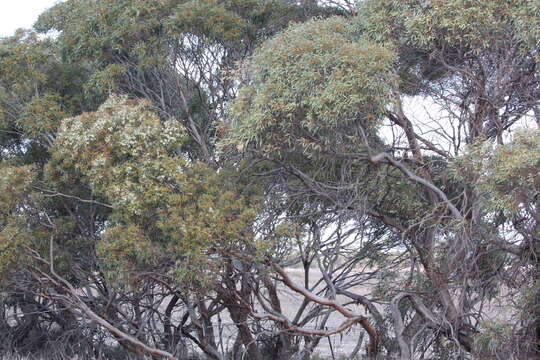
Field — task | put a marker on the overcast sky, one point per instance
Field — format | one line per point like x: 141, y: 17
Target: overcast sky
x: 16, y: 14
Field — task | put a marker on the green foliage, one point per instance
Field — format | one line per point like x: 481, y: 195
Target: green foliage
x: 105, y: 81
x: 139, y: 32
x: 216, y: 20
x: 176, y: 53
x: 468, y: 24
x: 13, y: 236
x: 527, y: 21
x: 124, y: 154
x: 42, y: 115
x: 15, y: 183
x: 461, y: 23
x: 310, y: 83
x: 121, y: 148
x: 495, y: 339
x: 507, y: 174
x: 395, y: 195
x: 500, y: 337
x: 165, y: 207
x: 95, y: 29
x: 24, y: 59
x: 25, y: 62
x: 423, y: 32
x: 37, y: 90
x: 513, y: 173
x: 136, y: 21
x: 319, y: 89
x: 124, y: 251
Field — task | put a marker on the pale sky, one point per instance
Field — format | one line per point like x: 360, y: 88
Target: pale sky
x: 16, y: 14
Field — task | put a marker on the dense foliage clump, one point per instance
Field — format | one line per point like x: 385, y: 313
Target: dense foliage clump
x: 312, y: 85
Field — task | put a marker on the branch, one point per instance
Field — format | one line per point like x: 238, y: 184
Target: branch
x: 364, y: 301
x: 317, y: 332
x: 90, y: 314
x: 352, y: 318
x: 379, y: 157
x: 427, y: 143
x: 399, y: 327
x: 51, y: 193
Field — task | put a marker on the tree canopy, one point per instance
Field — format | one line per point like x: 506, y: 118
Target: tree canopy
x: 167, y: 167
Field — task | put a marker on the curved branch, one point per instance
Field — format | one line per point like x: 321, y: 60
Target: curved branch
x: 352, y: 318
x: 90, y: 314
x: 420, y: 308
x: 381, y: 156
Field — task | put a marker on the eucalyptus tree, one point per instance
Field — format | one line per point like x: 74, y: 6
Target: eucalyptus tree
x: 317, y: 105
x: 164, y: 161
x: 178, y: 54
x: 108, y: 205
